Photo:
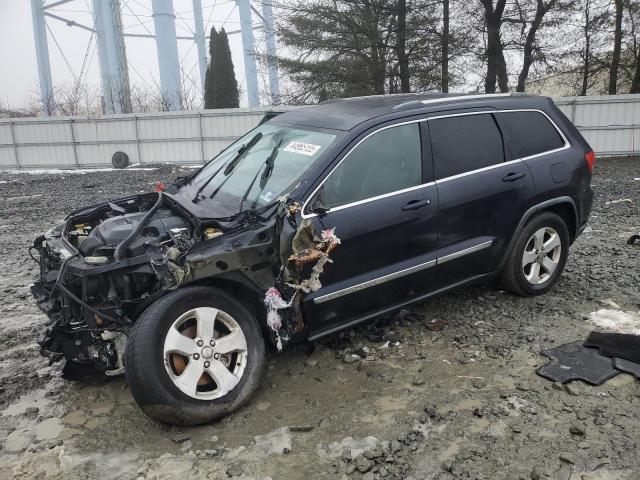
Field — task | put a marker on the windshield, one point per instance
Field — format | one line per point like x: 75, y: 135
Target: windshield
x: 260, y: 167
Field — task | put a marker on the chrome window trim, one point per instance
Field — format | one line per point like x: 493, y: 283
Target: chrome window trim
x: 346, y: 155
x: 400, y: 273
x: 566, y: 146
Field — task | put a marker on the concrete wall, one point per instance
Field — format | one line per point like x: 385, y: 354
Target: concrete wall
x: 610, y: 124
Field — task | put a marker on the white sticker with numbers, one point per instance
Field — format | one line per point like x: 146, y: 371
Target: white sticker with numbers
x: 307, y: 149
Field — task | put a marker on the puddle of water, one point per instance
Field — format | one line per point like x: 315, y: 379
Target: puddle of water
x: 48, y: 429
x: 451, y: 450
x: 467, y: 404
x: 274, y: 442
x: 357, y: 446
x: 479, y: 425
x: 391, y: 404
x: 106, y: 466
x: 75, y: 418
x: 18, y: 440
x: 35, y: 398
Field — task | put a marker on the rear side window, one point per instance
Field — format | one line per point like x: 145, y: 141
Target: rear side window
x: 388, y: 161
x: 464, y: 143
x: 528, y: 133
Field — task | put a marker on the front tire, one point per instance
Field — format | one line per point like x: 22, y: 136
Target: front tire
x: 538, y: 256
x: 194, y: 356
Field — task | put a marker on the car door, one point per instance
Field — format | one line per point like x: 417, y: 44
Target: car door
x: 383, y: 207
x: 482, y: 197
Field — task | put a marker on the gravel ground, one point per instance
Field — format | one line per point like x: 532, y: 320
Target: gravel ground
x: 398, y: 399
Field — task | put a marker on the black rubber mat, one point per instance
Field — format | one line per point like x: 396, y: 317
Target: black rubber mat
x: 627, y: 366
x: 574, y: 361
x: 619, y: 345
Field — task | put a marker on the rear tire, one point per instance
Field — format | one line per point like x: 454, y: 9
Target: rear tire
x: 179, y: 367
x: 538, y: 256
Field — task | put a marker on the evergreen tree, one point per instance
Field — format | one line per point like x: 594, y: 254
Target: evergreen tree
x: 220, y: 86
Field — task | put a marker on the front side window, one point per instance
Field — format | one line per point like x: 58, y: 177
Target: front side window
x: 388, y: 161
x: 529, y: 133
x: 464, y: 143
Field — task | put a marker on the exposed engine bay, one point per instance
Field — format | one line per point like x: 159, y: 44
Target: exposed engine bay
x: 106, y: 263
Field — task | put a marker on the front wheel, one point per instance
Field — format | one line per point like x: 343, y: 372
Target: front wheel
x: 194, y: 356
x: 538, y: 256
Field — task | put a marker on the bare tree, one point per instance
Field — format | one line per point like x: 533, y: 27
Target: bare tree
x: 541, y: 10
x: 445, y: 46
x: 633, y: 45
x: 617, y: 47
x: 496, y: 64
x: 401, y: 46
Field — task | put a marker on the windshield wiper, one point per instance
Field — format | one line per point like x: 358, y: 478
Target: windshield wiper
x: 245, y: 148
x: 268, y: 163
x: 229, y: 166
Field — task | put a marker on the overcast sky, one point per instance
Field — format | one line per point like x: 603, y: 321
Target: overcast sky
x: 18, y: 67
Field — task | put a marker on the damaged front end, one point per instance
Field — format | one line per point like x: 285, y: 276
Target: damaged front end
x: 105, y: 264
x: 99, y: 270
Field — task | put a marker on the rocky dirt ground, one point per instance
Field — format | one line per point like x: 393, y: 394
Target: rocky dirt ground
x: 399, y: 399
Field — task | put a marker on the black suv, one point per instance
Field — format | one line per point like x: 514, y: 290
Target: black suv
x: 316, y: 220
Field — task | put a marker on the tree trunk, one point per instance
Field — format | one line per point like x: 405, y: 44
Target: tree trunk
x: 496, y: 65
x: 617, y: 46
x: 445, y: 46
x: 635, y: 83
x: 527, y: 53
x: 401, y: 47
x: 587, y: 50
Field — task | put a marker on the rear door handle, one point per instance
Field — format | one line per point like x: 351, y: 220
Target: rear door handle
x: 512, y: 177
x: 416, y: 204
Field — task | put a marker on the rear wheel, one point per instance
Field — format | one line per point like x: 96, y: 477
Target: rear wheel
x: 538, y: 256
x: 194, y: 356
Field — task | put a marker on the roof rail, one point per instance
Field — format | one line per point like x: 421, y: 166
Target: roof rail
x: 427, y: 101
x: 464, y: 97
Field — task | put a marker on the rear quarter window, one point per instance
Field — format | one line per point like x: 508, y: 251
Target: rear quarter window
x: 528, y: 133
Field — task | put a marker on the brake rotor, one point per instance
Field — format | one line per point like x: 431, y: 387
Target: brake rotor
x: 179, y: 362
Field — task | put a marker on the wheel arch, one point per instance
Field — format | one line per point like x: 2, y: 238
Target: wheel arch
x: 239, y: 287
x: 564, y: 207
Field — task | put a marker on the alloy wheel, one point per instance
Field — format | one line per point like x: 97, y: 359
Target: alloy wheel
x: 205, y: 353
x: 541, y: 255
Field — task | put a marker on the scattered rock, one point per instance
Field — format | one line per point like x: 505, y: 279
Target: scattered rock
x: 567, y: 458
x: 434, y: 324
x: 180, y: 437
x: 350, y: 358
x: 572, y: 388
x: 418, y: 381
x: 301, y: 428
x: 577, y: 429
x: 363, y: 464
x: 234, y: 470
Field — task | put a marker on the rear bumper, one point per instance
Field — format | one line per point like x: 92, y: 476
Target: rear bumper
x: 585, y: 205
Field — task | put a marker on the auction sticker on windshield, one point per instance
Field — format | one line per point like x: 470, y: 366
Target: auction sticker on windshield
x: 308, y: 149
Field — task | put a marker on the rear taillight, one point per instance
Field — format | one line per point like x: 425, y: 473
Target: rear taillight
x: 590, y: 158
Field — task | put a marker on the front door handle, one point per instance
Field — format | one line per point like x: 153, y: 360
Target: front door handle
x: 512, y: 177
x: 416, y: 204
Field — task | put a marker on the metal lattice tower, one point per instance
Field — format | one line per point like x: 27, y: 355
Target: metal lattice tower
x: 107, y: 26
x: 116, y: 93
